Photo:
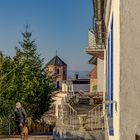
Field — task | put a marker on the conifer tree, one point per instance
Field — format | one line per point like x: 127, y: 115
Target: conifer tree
x: 34, y: 89
x: 22, y: 79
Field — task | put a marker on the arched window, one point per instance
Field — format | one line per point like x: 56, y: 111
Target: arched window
x: 57, y: 71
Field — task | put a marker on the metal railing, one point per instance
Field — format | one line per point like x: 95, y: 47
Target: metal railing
x: 106, y: 127
x: 69, y: 96
x: 96, y: 39
x: 68, y: 115
x: 95, y: 118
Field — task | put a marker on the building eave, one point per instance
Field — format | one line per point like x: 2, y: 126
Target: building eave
x: 100, y: 25
x: 99, y: 53
x: 93, y: 61
x: 107, y: 11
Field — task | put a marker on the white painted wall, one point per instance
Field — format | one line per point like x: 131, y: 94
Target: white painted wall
x: 75, y: 87
x: 112, y: 10
x: 116, y: 43
x: 64, y: 87
x: 58, y: 99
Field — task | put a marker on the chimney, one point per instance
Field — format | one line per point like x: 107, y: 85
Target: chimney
x: 76, y: 76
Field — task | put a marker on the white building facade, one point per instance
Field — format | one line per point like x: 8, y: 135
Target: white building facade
x: 76, y: 85
x: 121, y: 20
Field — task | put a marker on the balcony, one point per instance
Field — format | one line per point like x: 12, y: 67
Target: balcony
x: 95, y: 45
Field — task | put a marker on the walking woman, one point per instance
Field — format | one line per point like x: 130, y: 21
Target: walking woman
x: 20, y: 116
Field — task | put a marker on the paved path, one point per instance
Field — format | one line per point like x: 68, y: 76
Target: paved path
x: 82, y: 109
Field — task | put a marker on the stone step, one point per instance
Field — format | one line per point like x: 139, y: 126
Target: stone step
x: 64, y: 133
x: 29, y: 138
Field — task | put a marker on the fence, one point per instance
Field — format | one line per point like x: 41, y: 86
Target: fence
x: 68, y: 116
x: 95, y: 118
x: 7, y: 125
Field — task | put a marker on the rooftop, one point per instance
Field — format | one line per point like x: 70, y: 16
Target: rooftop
x: 56, y: 61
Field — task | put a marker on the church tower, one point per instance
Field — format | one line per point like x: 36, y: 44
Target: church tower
x: 57, y: 68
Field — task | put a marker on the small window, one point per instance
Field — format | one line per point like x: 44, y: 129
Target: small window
x: 57, y: 71
x: 57, y: 86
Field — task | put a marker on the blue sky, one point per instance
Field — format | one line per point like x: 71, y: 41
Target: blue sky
x: 60, y: 25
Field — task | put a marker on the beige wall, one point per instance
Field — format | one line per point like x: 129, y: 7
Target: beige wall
x: 100, y: 74
x: 126, y: 67
x: 129, y: 68
x: 52, y: 71
x: 93, y: 85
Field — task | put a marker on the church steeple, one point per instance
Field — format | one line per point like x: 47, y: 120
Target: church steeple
x: 56, y: 61
x: 58, y: 69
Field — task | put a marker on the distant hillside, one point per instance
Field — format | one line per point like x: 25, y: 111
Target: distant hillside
x: 81, y: 74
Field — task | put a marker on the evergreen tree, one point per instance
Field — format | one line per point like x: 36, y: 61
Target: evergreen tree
x: 22, y: 79
x: 34, y: 89
x: 6, y: 92
x: 6, y: 69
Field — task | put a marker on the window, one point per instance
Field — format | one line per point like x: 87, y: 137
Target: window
x: 57, y: 71
x: 57, y: 86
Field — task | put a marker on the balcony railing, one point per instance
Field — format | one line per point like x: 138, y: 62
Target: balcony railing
x: 85, y: 120
x: 96, y: 44
x: 68, y: 116
x: 91, y: 39
x: 96, y: 39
